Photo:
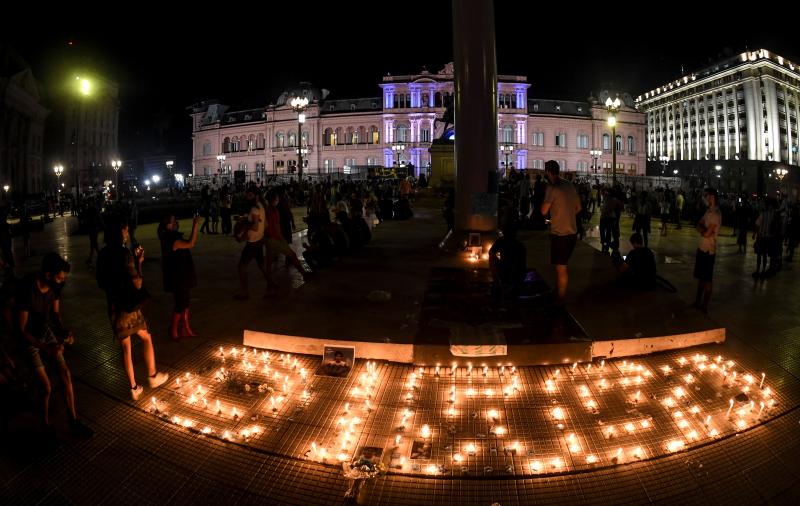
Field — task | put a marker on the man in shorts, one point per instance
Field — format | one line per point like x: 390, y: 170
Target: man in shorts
x: 254, y: 247
x: 708, y: 226
x: 38, y: 309
x: 561, y: 201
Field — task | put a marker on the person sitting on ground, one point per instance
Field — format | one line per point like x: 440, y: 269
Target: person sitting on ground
x: 638, y: 268
x: 507, y: 258
x: 38, y: 316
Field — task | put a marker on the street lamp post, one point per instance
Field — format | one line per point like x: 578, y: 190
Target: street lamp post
x: 171, y: 178
x: 613, y: 107
x: 299, y: 105
x: 221, y: 160
x: 664, y: 160
x: 595, y: 154
x: 398, y: 148
x: 116, y: 165
x: 84, y: 89
x: 507, y: 150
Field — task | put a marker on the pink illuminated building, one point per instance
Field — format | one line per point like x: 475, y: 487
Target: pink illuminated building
x: 341, y: 135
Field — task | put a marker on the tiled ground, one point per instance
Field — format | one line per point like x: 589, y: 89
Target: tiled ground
x: 138, y: 457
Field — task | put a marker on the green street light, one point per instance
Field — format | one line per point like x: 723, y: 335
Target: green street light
x: 84, y: 86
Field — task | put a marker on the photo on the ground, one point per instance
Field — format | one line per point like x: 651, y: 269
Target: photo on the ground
x: 371, y: 454
x: 420, y: 450
x: 337, y: 361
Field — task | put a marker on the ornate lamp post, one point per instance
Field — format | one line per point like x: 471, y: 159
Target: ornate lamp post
x: 507, y: 150
x: 613, y: 107
x: 116, y: 165
x: 595, y: 154
x: 664, y: 161
x: 299, y: 105
x: 398, y: 148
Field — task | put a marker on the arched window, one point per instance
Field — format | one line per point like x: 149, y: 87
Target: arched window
x: 337, y: 136
x: 619, y: 143
x: 361, y: 136
x: 234, y: 144
x: 260, y: 141
x: 292, y: 139
x: 304, y: 139
x: 348, y: 136
x: 401, y: 134
x: 328, y: 139
x: 437, y: 100
x: 606, y: 142
x: 631, y: 144
x: 508, y: 134
x: 374, y: 135
x: 226, y: 145
x: 251, y: 142
x: 279, y: 140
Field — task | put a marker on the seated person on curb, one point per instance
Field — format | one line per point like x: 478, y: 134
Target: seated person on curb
x: 638, y: 269
x: 38, y: 316
x: 507, y: 263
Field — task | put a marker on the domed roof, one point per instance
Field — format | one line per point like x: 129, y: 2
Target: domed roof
x: 303, y: 89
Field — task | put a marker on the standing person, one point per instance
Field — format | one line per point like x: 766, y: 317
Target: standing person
x: 562, y: 203
x: 225, y: 202
x: 524, y: 195
x: 286, y: 216
x: 641, y: 223
x: 255, y: 223
x: 38, y: 311
x: 92, y: 222
x: 205, y: 208
x: 665, y: 207
x: 119, y: 273
x: 763, y: 237
x: 679, y: 202
x: 742, y: 226
x: 275, y: 242
x: 610, y: 211
x: 213, y: 211
x: 178, y: 271
x: 708, y: 226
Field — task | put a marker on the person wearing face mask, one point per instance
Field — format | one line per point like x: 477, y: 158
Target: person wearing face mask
x: 178, y: 271
x: 38, y: 316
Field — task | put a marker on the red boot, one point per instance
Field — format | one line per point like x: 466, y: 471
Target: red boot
x: 186, y: 330
x: 174, y: 326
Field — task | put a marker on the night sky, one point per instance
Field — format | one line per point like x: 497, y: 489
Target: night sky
x: 246, y: 55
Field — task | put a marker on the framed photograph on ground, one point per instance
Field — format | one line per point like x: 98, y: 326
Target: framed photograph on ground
x: 337, y: 361
x: 371, y: 454
x: 420, y: 450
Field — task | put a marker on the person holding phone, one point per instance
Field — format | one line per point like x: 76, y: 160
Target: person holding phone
x: 178, y: 271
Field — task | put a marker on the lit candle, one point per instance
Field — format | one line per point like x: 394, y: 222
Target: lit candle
x: 426, y: 431
x: 536, y: 466
x: 437, y: 370
x: 591, y: 459
x: 458, y: 458
x: 493, y: 414
x: 763, y: 375
x: 155, y: 404
x: 499, y: 431
x: 761, y: 409
x: 397, y: 441
x: 471, y: 449
x: 730, y: 407
x: 235, y: 413
x: 645, y: 424
x: 558, y: 413
x: 219, y: 408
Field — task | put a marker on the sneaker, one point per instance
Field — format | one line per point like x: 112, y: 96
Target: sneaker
x: 79, y: 429
x: 158, y: 379
x: 137, y: 392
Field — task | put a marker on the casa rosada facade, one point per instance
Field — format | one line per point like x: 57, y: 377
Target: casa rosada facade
x: 339, y: 135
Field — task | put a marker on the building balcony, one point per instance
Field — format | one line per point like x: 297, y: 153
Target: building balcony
x: 361, y: 146
x: 290, y: 149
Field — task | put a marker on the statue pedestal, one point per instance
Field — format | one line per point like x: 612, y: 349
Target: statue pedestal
x: 442, y: 165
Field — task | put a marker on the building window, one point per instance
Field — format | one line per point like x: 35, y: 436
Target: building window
x: 328, y: 137
x: 371, y: 162
x: 206, y: 171
x: 606, y: 142
x: 508, y: 134
x: 292, y: 139
x: 234, y: 144
x: 207, y: 148
x: 259, y: 171
x: 279, y: 140
x: 402, y: 133
x: 375, y: 136
x: 243, y: 166
x: 583, y: 141
x: 561, y: 140
x: 538, y: 139
x: 633, y: 168
x: 425, y: 135
x: 538, y: 164
x: 328, y: 164
x: 305, y: 138
x: 619, y: 143
x: 279, y: 164
x: 562, y: 164
x: 631, y: 144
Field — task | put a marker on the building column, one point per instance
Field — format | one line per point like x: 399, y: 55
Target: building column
x: 697, y: 127
x: 786, y: 112
x: 738, y: 143
x: 726, y: 145
x: 752, y: 101
x: 475, y: 80
x: 771, y: 96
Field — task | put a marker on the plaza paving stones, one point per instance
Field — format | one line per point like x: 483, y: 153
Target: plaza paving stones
x: 141, y: 457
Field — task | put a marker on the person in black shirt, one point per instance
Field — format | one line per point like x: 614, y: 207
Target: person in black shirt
x: 178, y: 272
x: 638, y: 269
x: 38, y: 309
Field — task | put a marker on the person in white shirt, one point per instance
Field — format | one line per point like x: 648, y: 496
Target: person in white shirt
x: 254, y: 248
x: 708, y: 226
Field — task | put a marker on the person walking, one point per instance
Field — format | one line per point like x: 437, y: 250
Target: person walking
x: 641, y: 223
x: 561, y: 202
x: 225, y: 203
x: 178, y: 272
x: 708, y: 226
x: 119, y: 274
